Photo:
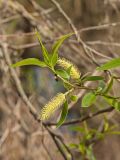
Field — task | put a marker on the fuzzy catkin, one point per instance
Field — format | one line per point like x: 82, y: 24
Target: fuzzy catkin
x: 74, y: 73
x: 52, y: 106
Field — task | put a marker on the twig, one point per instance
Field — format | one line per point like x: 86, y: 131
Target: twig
x: 58, y: 138
x: 86, y: 117
x: 17, y: 81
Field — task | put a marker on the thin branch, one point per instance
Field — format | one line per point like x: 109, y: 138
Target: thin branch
x: 17, y: 81
x: 86, y: 117
x: 57, y: 138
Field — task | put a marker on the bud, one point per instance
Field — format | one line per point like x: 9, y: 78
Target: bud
x: 74, y: 73
x: 52, y: 106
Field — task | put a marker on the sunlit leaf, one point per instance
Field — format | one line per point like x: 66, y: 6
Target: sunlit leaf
x: 44, y: 50
x: 29, y: 61
x: 93, y: 78
x: 59, y: 42
x: 110, y: 64
x: 54, y: 59
x: 113, y: 102
x: 56, y: 46
x: 62, y: 73
x: 88, y: 99
x: 74, y: 98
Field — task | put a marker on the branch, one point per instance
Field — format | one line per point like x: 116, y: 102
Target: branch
x: 90, y: 115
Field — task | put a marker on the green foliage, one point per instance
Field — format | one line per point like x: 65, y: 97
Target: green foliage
x: 63, y: 73
x: 29, y: 61
x: 44, y: 50
x: 92, y: 78
x: 74, y: 98
x: 108, y: 86
x: 88, y: 99
x: 59, y: 42
x: 63, y: 114
x: 113, y: 102
x: 69, y: 74
x: 114, y: 63
x: 56, y: 46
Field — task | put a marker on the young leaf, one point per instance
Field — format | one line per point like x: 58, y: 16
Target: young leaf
x: 88, y: 99
x: 69, y: 70
x: 93, y: 78
x: 29, y: 61
x: 74, y: 98
x: 62, y: 73
x: 109, y: 86
x: 54, y: 59
x: 110, y: 64
x: 44, y: 50
x: 63, y: 114
x: 101, y: 84
x: 55, y: 48
x: 113, y: 102
x: 59, y: 42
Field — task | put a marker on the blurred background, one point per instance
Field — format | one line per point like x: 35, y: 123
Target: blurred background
x: 97, y: 24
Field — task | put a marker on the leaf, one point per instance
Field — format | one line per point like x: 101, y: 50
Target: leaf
x: 110, y: 64
x: 54, y: 59
x: 93, y: 78
x: 44, y: 50
x: 56, y: 46
x: 74, y: 98
x: 109, y: 86
x: 69, y: 70
x: 113, y: 102
x: 59, y: 42
x: 62, y: 73
x: 29, y: 61
x: 88, y: 99
x: 63, y: 114
x: 101, y: 84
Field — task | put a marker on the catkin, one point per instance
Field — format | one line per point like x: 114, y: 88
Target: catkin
x: 74, y: 73
x: 52, y: 106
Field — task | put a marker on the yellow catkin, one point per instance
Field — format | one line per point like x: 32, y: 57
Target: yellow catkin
x: 74, y: 73
x: 52, y: 106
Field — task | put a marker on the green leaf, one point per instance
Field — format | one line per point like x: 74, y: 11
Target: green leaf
x: 62, y: 73
x: 93, y: 78
x: 44, y: 50
x: 110, y: 64
x: 56, y: 46
x: 88, y: 99
x: 59, y: 42
x: 102, y: 85
x: 29, y: 61
x: 69, y: 70
x: 113, y: 102
x: 63, y: 114
x: 109, y: 86
x: 54, y: 59
x: 74, y: 98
